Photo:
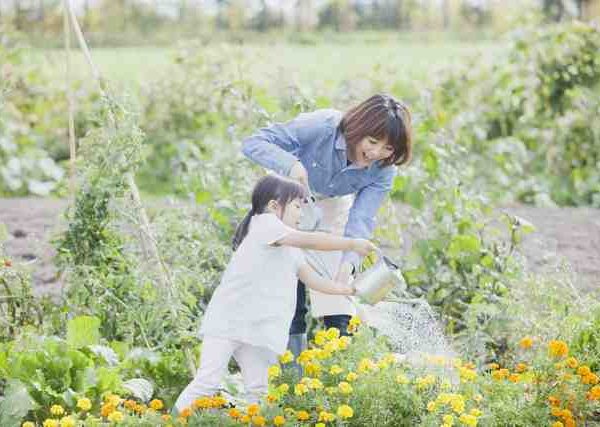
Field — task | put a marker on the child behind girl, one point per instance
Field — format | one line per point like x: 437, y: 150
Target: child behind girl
x: 250, y: 312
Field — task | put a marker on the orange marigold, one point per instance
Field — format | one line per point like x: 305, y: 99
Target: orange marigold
x: 572, y: 362
x: 594, y: 393
x: 257, y: 420
x: 253, y: 409
x: 186, y: 412
x: 521, y: 367
x: 558, y: 348
x: 526, y: 343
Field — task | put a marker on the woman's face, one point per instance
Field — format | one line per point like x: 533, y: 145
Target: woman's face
x: 370, y: 150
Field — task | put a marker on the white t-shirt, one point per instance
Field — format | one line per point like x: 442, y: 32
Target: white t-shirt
x: 256, y: 299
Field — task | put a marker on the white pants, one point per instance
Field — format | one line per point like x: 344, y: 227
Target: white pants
x: 254, y: 363
x: 335, y: 216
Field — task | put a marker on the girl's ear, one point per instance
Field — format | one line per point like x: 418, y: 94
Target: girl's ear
x: 273, y: 207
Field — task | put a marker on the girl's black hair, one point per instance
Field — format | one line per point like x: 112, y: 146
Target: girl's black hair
x: 269, y: 187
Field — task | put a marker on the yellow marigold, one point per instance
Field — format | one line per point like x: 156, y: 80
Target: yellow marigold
x: 57, y: 410
x: 366, y: 365
x: 253, y: 409
x: 107, y: 409
x: 312, y: 369
x: 468, y: 420
x: 186, y: 412
x: 271, y: 398
x: 553, y: 401
x: 521, y: 367
x: 258, y: 420
x: 493, y: 366
x: 345, y: 388
x: 448, y: 419
x: 113, y: 399
x: 584, y: 370
x: 183, y: 421
x: 218, y: 401
x: 84, y: 404
x: 156, y: 404
x: 234, y: 413
x: 130, y: 404
x: 458, y: 406
x: 68, y: 421
x: 283, y: 388
x: 28, y: 424
x: 300, y: 389
x: 331, y: 347
x: 352, y: 376
x: 333, y: 333
x: 594, y: 393
x: 331, y: 390
x: 51, y: 423
x: 565, y: 413
x: 466, y: 374
x: 572, y: 362
x: 514, y: 378
x: 302, y: 416
x: 245, y: 419
x: 555, y: 411
x: 345, y: 412
x: 431, y: 406
x: 478, y: 398
x: 286, y: 357
x: 326, y: 417
x: 315, y: 384
x: 476, y: 412
x: 140, y: 408
x: 591, y: 379
x: 343, y: 342
x: 500, y: 374
x: 320, y: 338
x: 424, y: 382
x: 401, y: 379
x: 557, y: 348
x: 279, y: 420
x: 557, y: 424
x: 336, y: 369
x: 115, y: 417
x: 355, y: 321
x: 526, y: 343
x: 274, y: 371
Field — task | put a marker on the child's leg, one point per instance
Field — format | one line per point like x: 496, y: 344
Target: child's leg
x: 254, y: 362
x: 214, y: 359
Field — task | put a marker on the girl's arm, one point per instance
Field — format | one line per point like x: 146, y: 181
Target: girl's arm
x: 318, y: 283
x: 326, y: 242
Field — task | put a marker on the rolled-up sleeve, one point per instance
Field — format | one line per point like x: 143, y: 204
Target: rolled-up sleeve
x: 277, y: 147
x: 361, y: 219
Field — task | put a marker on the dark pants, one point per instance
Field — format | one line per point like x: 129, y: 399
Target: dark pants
x: 339, y: 321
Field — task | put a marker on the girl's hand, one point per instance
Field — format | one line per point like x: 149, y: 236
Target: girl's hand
x: 298, y: 172
x: 363, y: 247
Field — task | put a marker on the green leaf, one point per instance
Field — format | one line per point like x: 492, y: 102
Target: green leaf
x: 83, y: 331
x: 15, y: 405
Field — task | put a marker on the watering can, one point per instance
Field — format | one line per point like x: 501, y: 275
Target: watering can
x: 376, y: 283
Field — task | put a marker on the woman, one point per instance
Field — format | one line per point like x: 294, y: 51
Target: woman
x: 347, y: 161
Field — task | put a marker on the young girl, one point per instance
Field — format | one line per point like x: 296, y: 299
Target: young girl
x: 250, y: 313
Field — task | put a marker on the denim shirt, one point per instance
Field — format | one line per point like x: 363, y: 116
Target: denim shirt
x: 315, y: 140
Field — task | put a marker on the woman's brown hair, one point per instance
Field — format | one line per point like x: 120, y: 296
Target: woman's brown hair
x: 381, y: 117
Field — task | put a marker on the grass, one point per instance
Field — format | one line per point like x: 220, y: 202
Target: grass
x: 328, y: 63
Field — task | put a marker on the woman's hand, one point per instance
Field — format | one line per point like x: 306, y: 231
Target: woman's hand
x: 362, y: 247
x: 298, y: 172
x: 345, y: 289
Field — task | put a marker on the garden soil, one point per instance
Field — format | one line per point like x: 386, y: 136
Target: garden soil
x: 564, y: 236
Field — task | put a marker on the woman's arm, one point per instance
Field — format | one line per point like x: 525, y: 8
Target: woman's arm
x: 318, y: 283
x: 326, y: 242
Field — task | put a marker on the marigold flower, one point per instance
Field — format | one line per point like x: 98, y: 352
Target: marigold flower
x: 165, y: 417
x: 345, y: 388
x: 271, y: 398
x: 448, y: 420
x: 594, y: 393
x: 557, y: 348
x: 343, y: 342
x: 279, y: 420
x: 493, y: 366
x: 156, y: 404
x: 57, y: 410
x: 467, y: 374
x: 572, y: 362
x: 312, y: 369
x: 458, y: 406
x: 478, y: 398
x: 113, y: 399
x: 521, y: 367
x: 283, y: 388
x: 245, y: 419
x: 514, y: 378
x: 326, y: 417
x: 286, y: 357
x: 352, y: 376
x: 424, y: 382
x: 234, y: 413
x: 557, y: 424
x: 584, y: 370
x: 554, y: 401
x: 345, y: 412
x: 476, y: 412
x: 84, y: 404
x: 500, y: 374
x: 258, y: 420
x: 253, y: 409
x: 274, y: 371
x: 336, y: 369
x: 590, y: 379
x: 50, y: 423
x: 186, y: 412
x: 130, y: 404
x: 107, y: 409
x: 302, y: 416
x: 115, y: 417
x: 300, y: 389
x: 526, y: 343
x: 468, y: 420
x: 555, y: 411
x: 431, y: 406
x: 333, y: 333
x: 565, y: 413
x: 68, y: 421
x: 366, y: 365
x: 28, y: 424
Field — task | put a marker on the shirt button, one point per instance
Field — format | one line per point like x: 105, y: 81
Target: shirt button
x: 314, y: 165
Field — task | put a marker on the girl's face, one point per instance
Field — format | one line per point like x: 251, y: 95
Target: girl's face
x: 370, y: 150
x: 290, y: 216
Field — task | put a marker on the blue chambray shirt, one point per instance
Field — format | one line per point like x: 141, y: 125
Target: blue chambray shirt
x: 315, y: 140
